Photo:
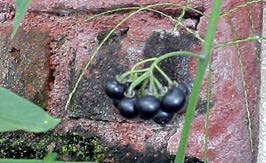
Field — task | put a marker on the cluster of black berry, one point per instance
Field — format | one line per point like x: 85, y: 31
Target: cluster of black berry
x: 160, y: 109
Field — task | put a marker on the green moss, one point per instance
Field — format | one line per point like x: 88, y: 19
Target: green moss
x: 70, y: 146
x: 98, y: 151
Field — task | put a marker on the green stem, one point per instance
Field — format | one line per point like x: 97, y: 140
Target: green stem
x: 137, y: 82
x: 143, y: 86
x: 146, y: 8
x: 184, y: 9
x: 207, y: 114
x: 180, y: 23
x: 169, y: 81
x: 124, y: 75
x: 140, y: 63
x: 158, y: 84
x: 112, y: 11
x: 242, y: 5
x: 206, y: 53
x: 153, y: 86
x: 239, y: 41
x: 176, y: 54
x: 244, y: 84
x: 165, y: 56
x: 168, y: 55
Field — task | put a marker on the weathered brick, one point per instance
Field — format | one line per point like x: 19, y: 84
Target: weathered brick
x: 73, y: 38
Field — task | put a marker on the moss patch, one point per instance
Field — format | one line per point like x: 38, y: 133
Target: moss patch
x: 70, y: 146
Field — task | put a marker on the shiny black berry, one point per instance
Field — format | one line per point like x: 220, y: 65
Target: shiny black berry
x: 174, y: 100
x: 162, y: 117
x: 147, y: 106
x: 114, y: 89
x: 127, y: 107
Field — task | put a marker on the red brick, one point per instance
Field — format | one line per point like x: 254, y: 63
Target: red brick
x: 73, y: 42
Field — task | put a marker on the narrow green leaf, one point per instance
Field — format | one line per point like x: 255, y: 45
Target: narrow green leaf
x: 50, y: 157
x: 21, y: 8
x: 17, y: 113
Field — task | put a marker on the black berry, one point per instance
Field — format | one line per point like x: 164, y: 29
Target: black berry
x: 147, y: 106
x: 163, y: 117
x: 127, y: 107
x: 114, y: 89
x: 174, y: 100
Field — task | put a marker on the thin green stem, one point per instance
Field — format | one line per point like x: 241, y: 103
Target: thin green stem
x: 169, y: 81
x: 159, y: 12
x: 177, y: 22
x: 124, y: 75
x: 140, y: 79
x: 143, y: 86
x: 112, y: 11
x: 239, y: 6
x: 244, y: 85
x: 141, y: 63
x: 184, y: 9
x: 146, y: 8
x: 180, y: 23
x: 176, y: 54
x: 168, y: 55
x: 251, y: 19
x: 151, y: 79
x: 206, y: 53
x: 207, y: 113
x: 148, y: 72
x: 221, y: 45
x: 158, y: 84
x: 153, y: 87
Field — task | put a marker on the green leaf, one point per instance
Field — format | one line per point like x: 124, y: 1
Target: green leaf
x: 17, y: 113
x: 21, y: 8
x: 50, y: 157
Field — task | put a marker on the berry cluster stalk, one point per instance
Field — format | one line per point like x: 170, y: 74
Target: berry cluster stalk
x: 206, y: 53
x: 146, y: 75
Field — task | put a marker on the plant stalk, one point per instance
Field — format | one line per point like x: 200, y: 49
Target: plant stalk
x: 206, y: 53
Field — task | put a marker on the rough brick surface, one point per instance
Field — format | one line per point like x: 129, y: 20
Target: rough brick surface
x: 25, y: 65
x: 60, y: 32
